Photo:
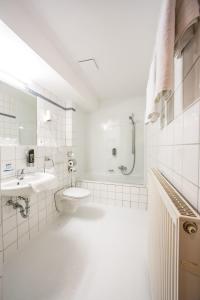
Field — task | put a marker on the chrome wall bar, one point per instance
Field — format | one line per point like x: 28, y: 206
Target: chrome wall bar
x: 7, y: 115
x: 34, y: 93
x: 70, y: 108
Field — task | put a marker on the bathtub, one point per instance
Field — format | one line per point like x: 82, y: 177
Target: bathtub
x: 114, y: 178
x: 116, y: 189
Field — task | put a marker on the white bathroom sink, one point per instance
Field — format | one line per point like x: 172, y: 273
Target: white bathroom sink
x: 32, y: 183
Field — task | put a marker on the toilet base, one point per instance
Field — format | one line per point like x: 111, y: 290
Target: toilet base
x: 69, y: 207
x: 71, y: 198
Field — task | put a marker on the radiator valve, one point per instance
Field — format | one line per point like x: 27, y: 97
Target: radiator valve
x: 190, y: 227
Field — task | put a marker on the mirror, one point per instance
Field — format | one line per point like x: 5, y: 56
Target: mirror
x: 18, y: 116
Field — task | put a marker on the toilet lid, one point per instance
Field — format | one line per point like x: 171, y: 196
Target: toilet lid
x: 75, y: 192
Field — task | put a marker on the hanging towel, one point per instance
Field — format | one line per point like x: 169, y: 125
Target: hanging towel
x: 164, y: 51
x: 187, y: 15
x: 176, y: 29
x: 152, y: 112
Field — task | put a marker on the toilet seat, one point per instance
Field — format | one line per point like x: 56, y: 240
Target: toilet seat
x: 71, y: 198
x: 76, y: 193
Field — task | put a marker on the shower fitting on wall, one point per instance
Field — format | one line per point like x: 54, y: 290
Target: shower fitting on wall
x: 123, y: 168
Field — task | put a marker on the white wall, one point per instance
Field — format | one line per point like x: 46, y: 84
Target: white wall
x: 52, y: 133
x: 109, y: 127
x: 175, y: 149
x: 24, y: 107
x: 16, y: 232
x: 76, y: 133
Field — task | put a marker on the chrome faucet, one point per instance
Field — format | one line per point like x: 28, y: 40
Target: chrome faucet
x: 122, y: 168
x: 20, y: 174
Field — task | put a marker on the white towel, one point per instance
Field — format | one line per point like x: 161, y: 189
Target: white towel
x: 164, y: 51
x: 152, y: 112
x: 176, y: 29
x: 47, y: 182
x: 187, y: 16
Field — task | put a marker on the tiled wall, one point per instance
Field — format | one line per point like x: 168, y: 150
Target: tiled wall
x: 50, y: 132
x: 111, y: 124
x: 8, y: 126
x: 175, y: 149
x: 54, y: 133
x: 69, y: 121
x: 79, y: 140
x: 116, y: 194
x: 15, y: 231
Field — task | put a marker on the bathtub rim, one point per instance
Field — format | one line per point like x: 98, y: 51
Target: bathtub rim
x: 139, y: 185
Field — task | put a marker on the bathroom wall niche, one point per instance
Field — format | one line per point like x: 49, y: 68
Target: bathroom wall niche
x: 18, y: 116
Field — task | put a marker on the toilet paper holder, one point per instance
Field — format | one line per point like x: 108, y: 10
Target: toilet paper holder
x: 71, y: 165
x: 72, y: 162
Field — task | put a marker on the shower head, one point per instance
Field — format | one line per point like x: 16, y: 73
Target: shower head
x: 132, y: 118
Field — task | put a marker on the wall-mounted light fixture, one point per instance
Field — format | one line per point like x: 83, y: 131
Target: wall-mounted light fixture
x: 47, y: 116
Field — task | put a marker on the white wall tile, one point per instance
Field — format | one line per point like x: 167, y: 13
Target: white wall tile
x: 178, y: 159
x: 7, y: 153
x: 177, y: 181
x: 190, y: 191
x: 191, y: 89
x: 191, y: 125
x: 9, y: 238
x: 191, y: 163
x: 117, y: 194
x: 23, y: 229
x: 178, y: 94
x: 178, y: 130
x: 23, y: 240
x: 17, y: 230
x: 113, y: 128
x: 9, y: 224
x: 9, y: 252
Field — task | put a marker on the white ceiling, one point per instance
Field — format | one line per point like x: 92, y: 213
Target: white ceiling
x: 119, y: 34
x: 19, y: 61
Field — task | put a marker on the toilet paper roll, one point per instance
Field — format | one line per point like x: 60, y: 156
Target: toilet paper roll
x: 71, y: 162
x: 71, y: 169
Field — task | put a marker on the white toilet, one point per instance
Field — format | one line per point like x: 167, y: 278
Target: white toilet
x: 73, y: 197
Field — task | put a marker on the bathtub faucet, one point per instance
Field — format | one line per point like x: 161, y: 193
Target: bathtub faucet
x: 122, y: 168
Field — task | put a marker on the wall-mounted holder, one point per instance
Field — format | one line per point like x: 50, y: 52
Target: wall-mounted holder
x: 71, y: 165
x: 47, y: 117
x: 24, y: 210
x: 114, y: 151
x: 30, y: 158
x: 71, y: 168
x: 48, y: 159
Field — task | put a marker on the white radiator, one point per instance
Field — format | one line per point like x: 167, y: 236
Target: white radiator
x: 174, y: 243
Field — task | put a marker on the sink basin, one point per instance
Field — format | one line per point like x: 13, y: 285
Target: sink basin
x: 32, y: 183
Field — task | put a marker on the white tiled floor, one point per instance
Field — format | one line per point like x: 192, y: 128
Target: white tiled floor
x: 99, y: 254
